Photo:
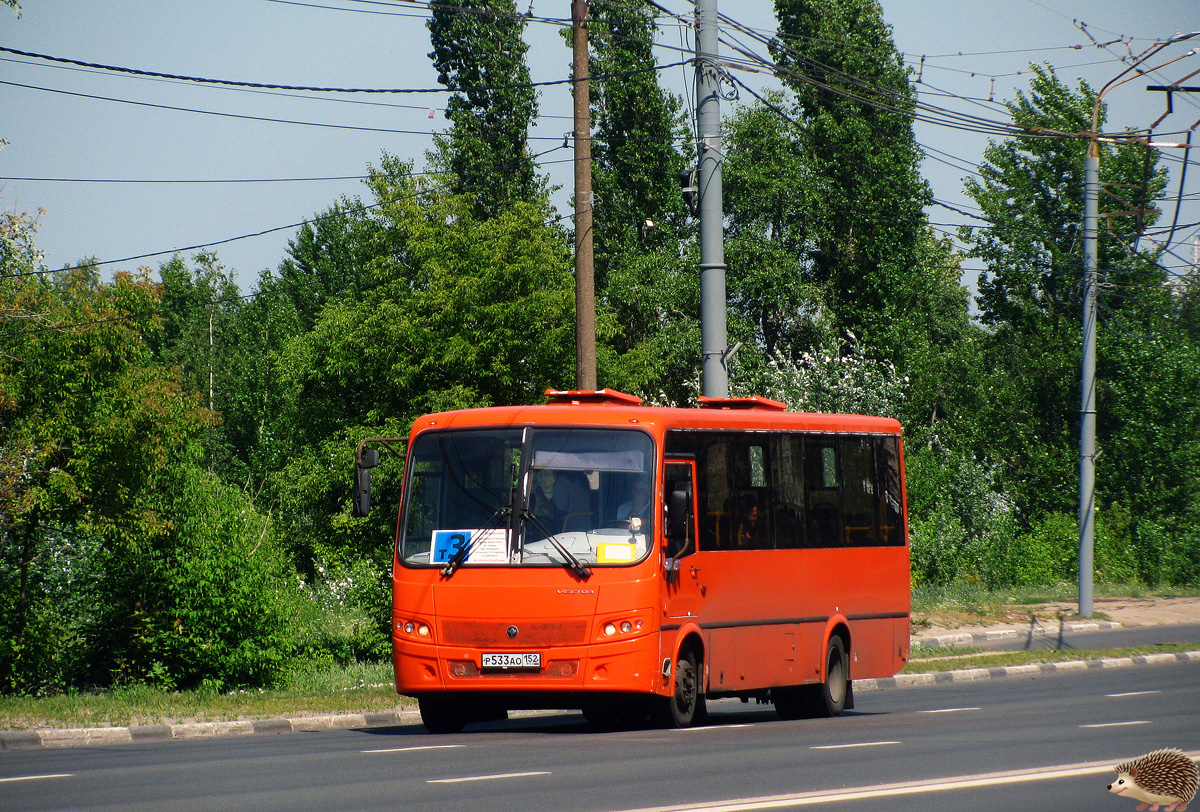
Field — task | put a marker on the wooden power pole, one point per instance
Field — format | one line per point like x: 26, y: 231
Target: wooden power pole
x: 585, y: 286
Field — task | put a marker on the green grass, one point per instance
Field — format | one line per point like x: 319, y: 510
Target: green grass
x: 359, y: 688
x: 978, y: 601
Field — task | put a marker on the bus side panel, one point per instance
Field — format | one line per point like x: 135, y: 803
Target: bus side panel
x: 765, y: 612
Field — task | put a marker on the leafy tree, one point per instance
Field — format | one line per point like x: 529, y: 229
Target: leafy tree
x: 208, y: 604
x: 645, y: 277
x: 1030, y: 192
x: 461, y: 312
x: 479, y: 54
x: 773, y: 302
x: 89, y: 425
x: 864, y: 198
x: 328, y: 259
x: 637, y: 128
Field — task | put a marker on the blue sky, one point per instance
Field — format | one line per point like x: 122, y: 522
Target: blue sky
x: 972, y: 49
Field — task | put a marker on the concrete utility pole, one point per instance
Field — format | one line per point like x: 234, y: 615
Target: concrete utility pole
x: 1087, y: 403
x: 714, y: 380
x: 585, y: 286
x: 1087, y: 397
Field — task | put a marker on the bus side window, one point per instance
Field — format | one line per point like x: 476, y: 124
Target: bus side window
x: 787, y: 493
x: 822, y: 492
x: 680, y: 521
x: 715, y: 491
x: 859, y: 502
x: 891, y: 512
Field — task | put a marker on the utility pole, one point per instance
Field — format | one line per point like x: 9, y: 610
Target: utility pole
x: 1087, y: 395
x: 714, y: 380
x: 585, y: 286
x: 1087, y: 402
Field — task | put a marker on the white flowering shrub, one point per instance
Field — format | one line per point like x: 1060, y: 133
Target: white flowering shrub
x: 835, y: 376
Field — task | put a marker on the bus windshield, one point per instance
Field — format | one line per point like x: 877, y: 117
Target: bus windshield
x: 528, y: 496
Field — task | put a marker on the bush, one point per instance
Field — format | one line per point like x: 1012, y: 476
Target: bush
x: 1047, y: 553
x: 206, y: 605
x: 960, y: 524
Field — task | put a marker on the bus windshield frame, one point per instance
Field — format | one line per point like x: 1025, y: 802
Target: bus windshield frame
x: 528, y: 496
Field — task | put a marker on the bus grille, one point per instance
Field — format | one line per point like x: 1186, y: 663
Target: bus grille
x: 494, y: 634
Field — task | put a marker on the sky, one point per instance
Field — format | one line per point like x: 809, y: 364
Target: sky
x: 79, y: 137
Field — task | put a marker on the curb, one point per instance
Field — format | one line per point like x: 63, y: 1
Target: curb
x: 82, y: 737
x: 1030, y: 670
x: 971, y: 638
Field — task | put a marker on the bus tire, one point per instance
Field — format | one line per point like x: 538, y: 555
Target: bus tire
x: 685, y: 707
x: 441, y: 714
x: 791, y: 702
x: 829, y: 698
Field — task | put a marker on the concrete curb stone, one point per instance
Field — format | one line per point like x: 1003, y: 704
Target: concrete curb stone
x: 83, y: 737
x: 956, y: 639
x: 1032, y: 669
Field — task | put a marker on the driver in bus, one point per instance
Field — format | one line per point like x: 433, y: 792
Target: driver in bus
x: 639, y: 502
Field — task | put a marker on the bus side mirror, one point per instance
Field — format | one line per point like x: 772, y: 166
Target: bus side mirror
x: 678, y: 513
x: 367, y: 459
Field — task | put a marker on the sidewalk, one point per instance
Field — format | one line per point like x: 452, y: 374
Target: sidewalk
x: 946, y: 630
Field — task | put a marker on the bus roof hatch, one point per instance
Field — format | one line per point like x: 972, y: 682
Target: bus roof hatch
x: 752, y: 402
x: 592, y: 396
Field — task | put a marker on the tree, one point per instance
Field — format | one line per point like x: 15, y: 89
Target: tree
x: 89, y: 426
x: 479, y: 54
x: 648, y: 322
x: 637, y: 129
x: 853, y: 106
x: 462, y: 312
x: 1030, y: 192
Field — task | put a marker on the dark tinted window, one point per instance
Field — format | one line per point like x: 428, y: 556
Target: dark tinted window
x: 760, y: 490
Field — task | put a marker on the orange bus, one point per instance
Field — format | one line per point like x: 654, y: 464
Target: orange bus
x: 633, y: 561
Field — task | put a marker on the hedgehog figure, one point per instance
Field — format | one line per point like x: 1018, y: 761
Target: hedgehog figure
x: 1164, y: 777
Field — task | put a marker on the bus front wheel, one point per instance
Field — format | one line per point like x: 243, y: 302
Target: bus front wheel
x: 442, y: 714
x: 685, y: 707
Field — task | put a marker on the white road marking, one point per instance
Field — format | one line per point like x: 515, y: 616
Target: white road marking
x: 1118, y: 724
x: 1132, y: 693
x: 847, y: 746
x: 483, y: 777
x: 36, y: 777
x: 948, y: 710
x: 413, y: 749
x: 710, y: 727
x: 894, y: 790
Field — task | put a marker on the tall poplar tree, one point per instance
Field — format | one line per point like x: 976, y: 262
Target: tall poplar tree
x: 865, y: 222
x: 479, y: 54
x: 642, y: 232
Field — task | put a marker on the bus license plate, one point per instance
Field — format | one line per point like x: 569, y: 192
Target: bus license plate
x: 512, y: 661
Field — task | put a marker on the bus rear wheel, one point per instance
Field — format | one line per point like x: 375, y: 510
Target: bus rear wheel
x: 442, y: 714
x: 829, y: 698
x: 685, y: 707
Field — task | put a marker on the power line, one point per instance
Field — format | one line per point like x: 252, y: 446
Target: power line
x: 272, y: 230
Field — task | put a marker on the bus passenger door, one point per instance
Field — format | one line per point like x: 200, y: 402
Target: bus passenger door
x: 682, y: 595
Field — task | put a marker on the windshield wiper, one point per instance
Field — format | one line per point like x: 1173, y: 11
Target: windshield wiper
x: 571, y: 562
x: 455, y: 561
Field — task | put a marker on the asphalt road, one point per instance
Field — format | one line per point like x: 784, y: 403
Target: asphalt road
x: 897, y: 749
